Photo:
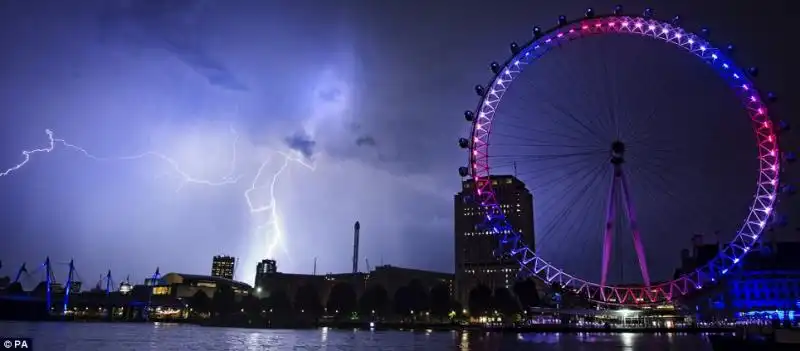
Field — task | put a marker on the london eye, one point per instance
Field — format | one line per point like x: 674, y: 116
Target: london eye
x: 628, y: 146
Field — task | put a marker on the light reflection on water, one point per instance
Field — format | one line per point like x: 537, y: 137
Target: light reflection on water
x: 122, y: 336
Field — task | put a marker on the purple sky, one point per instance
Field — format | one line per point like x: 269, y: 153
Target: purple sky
x: 189, y: 111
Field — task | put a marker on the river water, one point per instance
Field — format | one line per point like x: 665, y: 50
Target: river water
x: 140, y: 336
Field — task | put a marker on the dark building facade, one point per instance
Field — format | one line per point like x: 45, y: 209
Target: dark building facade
x: 223, y: 267
x: 181, y: 285
x: 475, y: 262
x: 390, y: 277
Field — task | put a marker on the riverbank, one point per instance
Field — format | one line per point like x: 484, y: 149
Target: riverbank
x: 538, y: 328
x: 413, y: 327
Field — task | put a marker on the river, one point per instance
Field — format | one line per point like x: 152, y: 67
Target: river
x: 141, y: 336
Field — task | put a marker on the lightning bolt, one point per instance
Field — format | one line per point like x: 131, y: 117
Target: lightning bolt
x: 272, y: 229
x: 185, y: 177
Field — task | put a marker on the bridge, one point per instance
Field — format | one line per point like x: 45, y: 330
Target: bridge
x: 50, y: 298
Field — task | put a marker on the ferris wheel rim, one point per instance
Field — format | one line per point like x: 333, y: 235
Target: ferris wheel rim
x: 740, y: 81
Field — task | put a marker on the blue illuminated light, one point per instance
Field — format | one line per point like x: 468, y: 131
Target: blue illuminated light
x: 765, y: 195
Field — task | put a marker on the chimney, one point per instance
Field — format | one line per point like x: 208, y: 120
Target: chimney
x: 356, y: 229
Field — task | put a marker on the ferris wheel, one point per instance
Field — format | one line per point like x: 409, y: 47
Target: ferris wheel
x: 618, y: 205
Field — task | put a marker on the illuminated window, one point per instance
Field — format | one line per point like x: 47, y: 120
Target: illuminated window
x: 161, y: 290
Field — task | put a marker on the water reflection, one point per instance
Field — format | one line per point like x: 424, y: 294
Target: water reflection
x: 324, y: 335
x: 101, y: 336
x: 627, y: 340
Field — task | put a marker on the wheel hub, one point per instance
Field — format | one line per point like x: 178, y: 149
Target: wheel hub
x: 617, y: 152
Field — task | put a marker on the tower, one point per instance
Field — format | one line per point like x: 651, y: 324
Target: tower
x: 223, y: 266
x: 356, y: 229
x: 475, y: 262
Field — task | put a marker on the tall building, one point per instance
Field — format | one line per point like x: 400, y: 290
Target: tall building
x: 475, y: 262
x: 266, y: 267
x: 223, y: 266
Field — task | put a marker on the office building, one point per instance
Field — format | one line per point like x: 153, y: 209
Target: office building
x: 475, y: 261
x: 223, y: 267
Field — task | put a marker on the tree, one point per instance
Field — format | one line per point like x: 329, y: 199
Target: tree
x: 279, y: 304
x: 15, y: 288
x: 223, y: 303
x: 504, y: 302
x: 557, y: 294
x: 376, y: 299
x: 40, y: 289
x: 402, y: 301
x: 440, y: 302
x: 342, y: 300
x: 419, y: 296
x: 480, y: 300
x: 527, y: 294
x: 251, y: 306
x: 200, y: 302
x: 307, y: 301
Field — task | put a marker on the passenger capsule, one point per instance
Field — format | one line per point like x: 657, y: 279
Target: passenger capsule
x: 537, y: 32
x: 772, y: 97
x: 479, y: 90
x: 469, y: 116
x: 495, y: 67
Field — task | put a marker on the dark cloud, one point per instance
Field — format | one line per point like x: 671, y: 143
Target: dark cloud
x: 302, y: 143
x: 365, y: 140
x: 171, y: 26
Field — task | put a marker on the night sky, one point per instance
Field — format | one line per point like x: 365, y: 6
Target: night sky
x: 182, y: 116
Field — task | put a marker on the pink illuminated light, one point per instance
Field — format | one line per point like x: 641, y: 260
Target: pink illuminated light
x: 662, y: 291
